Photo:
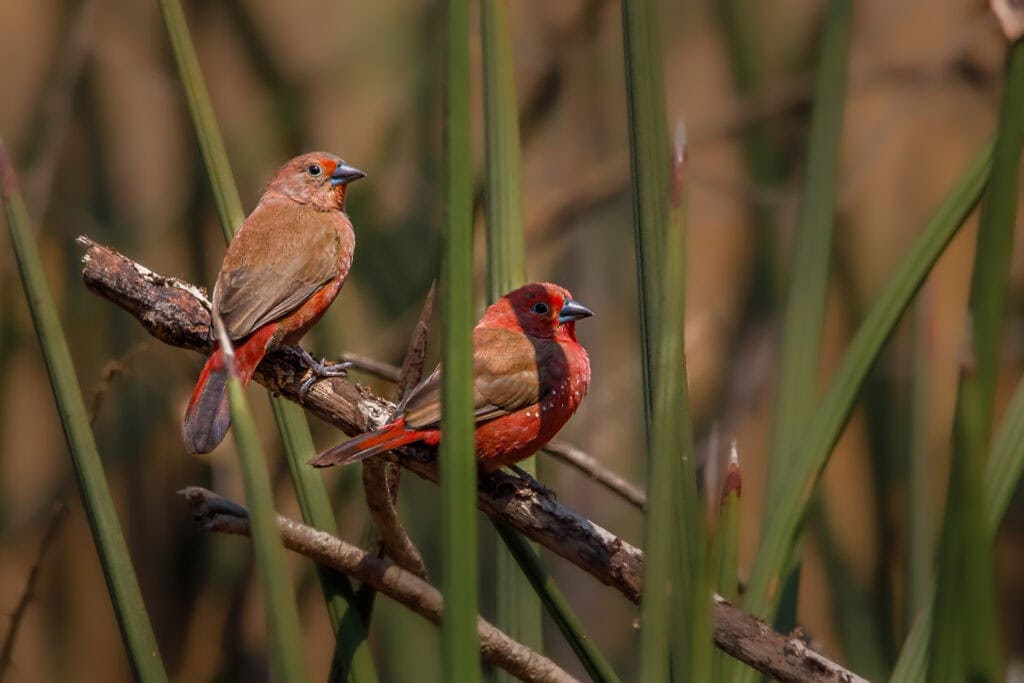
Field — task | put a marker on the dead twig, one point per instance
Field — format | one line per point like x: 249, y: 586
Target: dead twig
x: 7, y: 653
x: 381, y: 478
x: 214, y: 513
x: 177, y: 313
x: 112, y: 369
x: 592, y: 467
x: 372, y: 366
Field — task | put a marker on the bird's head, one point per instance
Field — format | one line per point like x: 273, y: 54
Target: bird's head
x: 317, y: 179
x: 540, y: 309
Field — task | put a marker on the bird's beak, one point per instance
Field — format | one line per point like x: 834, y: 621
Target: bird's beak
x: 573, y: 310
x: 345, y: 174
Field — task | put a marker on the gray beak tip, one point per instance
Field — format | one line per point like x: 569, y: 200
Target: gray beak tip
x: 573, y: 310
x: 345, y: 174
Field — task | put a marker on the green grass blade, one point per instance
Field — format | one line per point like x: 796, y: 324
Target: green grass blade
x: 352, y: 658
x: 1002, y: 476
x: 1003, y: 473
x: 459, y: 651
x: 674, y: 530
x: 283, y: 631
x: 808, y: 285
x: 762, y: 155
x: 122, y: 585
x: 506, y: 265
x: 649, y: 161
x: 1006, y: 463
x: 965, y: 638
x: 725, y: 554
x: 861, y: 628
x: 597, y: 666
x: 807, y: 289
x: 828, y: 421
x: 518, y: 610
x: 211, y: 144
x: 921, y: 523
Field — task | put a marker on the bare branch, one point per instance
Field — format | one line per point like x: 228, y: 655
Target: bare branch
x: 380, y: 477
x: 372, y: 366
x: 175, y: 312
x: 214, y: 513
x: 592, y: 467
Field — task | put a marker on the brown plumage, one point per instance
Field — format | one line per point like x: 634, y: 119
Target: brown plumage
x: 282, y: 270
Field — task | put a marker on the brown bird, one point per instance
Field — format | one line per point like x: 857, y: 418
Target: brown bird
x: 530, y: 375
x: 280, y: 273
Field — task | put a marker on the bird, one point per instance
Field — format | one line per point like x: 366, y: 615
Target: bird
x: 280, y: 273
x: 530, y: 375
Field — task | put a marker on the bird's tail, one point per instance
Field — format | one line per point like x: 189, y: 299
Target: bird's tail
x: 363, y: 446
x: 207, y: 416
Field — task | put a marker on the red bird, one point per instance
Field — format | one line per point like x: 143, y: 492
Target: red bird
x: 530, y: 376
x: 280, y: 273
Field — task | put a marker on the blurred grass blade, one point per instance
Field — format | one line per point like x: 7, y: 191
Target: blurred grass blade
x: 283, y: 631
x: 674, y: 535
x: 597, y: 666
x: 828, y: 421
x: 215, y: 157
x: 921, y: 524
x: 649, y: 157
x: 518, y: 610
x: 1002, y: 477
x: 352, y: 659
x: 965, y: 640
x: 763, y: 158
x: 506, y: 266
x: 459, y: 652
x: 812, y: 251
x: 1000, y: 211
x: 1003, y: 474
x: 122, y: 585
x: 807, y: 289
x: 725, y: 553
x: 861, y: 627
x: 1006, y: 463
x: 648, y: 143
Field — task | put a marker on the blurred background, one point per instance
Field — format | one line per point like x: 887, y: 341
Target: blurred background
x: 91, y: 105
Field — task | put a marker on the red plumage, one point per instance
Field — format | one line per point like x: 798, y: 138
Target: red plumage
x: 530, y: 375
x: 282, y: 270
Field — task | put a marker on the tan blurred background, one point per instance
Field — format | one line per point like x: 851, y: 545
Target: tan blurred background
x: 90, y: 103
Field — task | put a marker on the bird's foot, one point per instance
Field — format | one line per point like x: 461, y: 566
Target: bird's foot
x: 319, y: 370
x: 531, y: 481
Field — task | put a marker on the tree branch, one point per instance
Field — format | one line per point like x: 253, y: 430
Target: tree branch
x: 592, y: 467
x: 214, y: 513
x: 178, y: 314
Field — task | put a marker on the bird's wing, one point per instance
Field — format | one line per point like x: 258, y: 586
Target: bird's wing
x: 282, y: 255
x: 505, y: 379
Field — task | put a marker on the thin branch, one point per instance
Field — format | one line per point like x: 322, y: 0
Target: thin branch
x: 176, y: 313
x: 214, y: 513
x: 372, y: 366
x: 7, y: 653
x: 112, y: 369
x: 381, y: 478
x: 592, y: 467
x: 415, y: 355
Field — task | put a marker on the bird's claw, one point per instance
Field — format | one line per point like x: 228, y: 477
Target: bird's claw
x: 532, y: 482
x: 318, y: 370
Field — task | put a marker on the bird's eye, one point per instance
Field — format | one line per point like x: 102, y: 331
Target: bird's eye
x: 313, y: 170
x: 540, y: 308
